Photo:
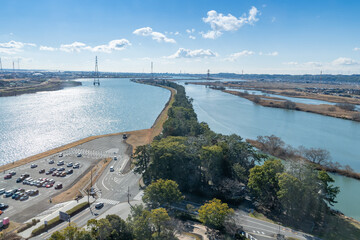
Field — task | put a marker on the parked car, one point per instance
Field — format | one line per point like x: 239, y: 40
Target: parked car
x: 7, y: 176
x: 61, y: 169
x: 60, y: 163
x: 61, y: 154
x: 33, y: 165
x: 25, y: 175
x: 70, y: 164
x: 70, y: 171
x: 12, y: 173
x: 42, y: 171
x: 76, y: 165
x: 48, y: 172
x: 2, y: 191
x: 25, y: 197
x: 19, y: 180
x: 51, y: 161
x: 112, y: 169
x: 63, y: 174
x: 8, y: 194
x: 48, y: 185
x: 99, y: 205
x: 79, y: 155
x: 125, y: 136
x: 3, y: 206
x: 58, y: 186
x: 115, y: 157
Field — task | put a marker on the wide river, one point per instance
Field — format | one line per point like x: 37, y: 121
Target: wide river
x: 33, y: 123
x: 227, y: 114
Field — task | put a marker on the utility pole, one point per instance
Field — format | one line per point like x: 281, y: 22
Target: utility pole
x: 128, y: 195
x: 208, y: 74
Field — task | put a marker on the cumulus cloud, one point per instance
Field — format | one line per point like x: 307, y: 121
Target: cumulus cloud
x: 357, y: 49
x: 73, y: 47
x: 46, y: 48
x: 198, y: 53
x: 14, y: 47
x: 344, y: 61
x: 237, y: 55
x: 220, y: 23
x: 192, y: 37
x: 147, y: 31
x: 114, y: 45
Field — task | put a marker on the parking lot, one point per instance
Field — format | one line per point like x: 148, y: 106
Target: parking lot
x: 91, y: 152
x: 42, y: 199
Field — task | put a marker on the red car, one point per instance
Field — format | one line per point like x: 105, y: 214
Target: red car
x: 7, y: 176
x: 49, y: 185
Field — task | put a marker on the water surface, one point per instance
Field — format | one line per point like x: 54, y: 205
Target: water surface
x: 33, y: 123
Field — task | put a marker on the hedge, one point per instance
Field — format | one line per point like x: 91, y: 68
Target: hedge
x: 56, y: 221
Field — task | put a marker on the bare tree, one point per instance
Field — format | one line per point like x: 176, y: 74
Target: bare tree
x: 316, y: 155
x: 271, y: 144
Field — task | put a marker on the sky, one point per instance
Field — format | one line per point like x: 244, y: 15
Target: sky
x: 187, y: 36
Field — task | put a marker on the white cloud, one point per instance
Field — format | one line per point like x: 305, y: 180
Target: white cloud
x: 313, y: 64
x: 147, y: 31
x: 73, y: 47
x: 45, y: 48
x: 291, y: 63
x: 198, y: 53
x: 190, y: 31
x: 357, y: 49
x: 14, y: 47
x: 192, y: 37
x: 273, y: 54
x: 220, y: 23
x: 344, y: 61
x: 116, y: 45
x: 237, y: 55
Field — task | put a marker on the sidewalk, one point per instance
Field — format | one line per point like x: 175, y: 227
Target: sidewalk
x: 50, y: 214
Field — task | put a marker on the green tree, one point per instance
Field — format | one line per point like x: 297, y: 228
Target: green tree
x: 159, y: 217
x: 142, y: 157
x: 290, y: 193
x: 328, y: 191
x: 214, y: 213
x: 162, y: 193
x: 139, y: 220
x: 263, y: 181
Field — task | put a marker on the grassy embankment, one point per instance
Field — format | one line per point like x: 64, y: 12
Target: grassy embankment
x: 136, y: 138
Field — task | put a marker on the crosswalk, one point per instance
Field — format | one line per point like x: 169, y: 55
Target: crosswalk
x: 108, y: 201
x: 258, y: 232
x: 52, y: 209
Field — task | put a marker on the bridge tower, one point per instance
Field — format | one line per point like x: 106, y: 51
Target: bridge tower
x: 208, y: 74
x: 96, y: 75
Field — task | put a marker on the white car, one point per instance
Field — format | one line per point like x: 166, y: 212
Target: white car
x: 79, y: 155
x: 115, y: 158
x: 111, y: 168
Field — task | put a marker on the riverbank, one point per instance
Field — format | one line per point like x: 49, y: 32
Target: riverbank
x: 135, y: 138
x: 344, y: 172
x: 50, y: 85
x: 275, y: 102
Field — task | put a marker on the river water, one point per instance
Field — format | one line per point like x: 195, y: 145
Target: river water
x: 33, y: 123
x: 227, y: 114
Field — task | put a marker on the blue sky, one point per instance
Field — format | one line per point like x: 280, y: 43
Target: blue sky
x: 265, y: 36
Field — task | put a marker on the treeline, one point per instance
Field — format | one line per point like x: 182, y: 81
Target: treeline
x: 198, y: 159
x: 215, y: 165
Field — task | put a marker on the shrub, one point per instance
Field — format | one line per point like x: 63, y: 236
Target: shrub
x: 332, y: 109
x: 289, y: 104
x: 346, y: 106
